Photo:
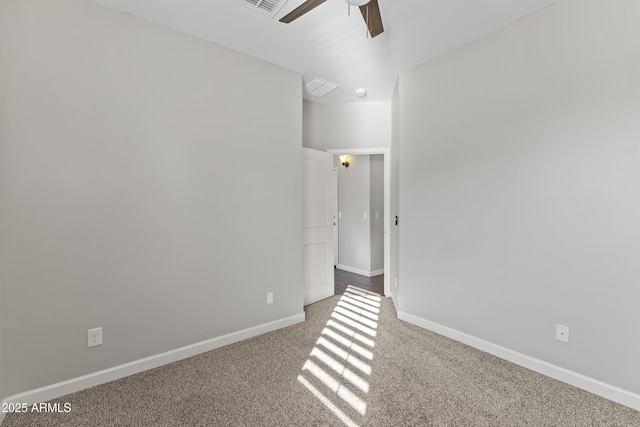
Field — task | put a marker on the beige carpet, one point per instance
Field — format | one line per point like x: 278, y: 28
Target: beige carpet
x: 348, y: 364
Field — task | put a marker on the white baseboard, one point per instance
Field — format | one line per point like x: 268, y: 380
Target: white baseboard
x: 90, y: 380
x: 359, y: 271
x: 592, y: 385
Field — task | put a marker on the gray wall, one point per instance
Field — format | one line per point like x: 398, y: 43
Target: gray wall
x: 143, y: 190
x: 353, y: 125
x: 519, y: 188
x: 376, y: 202
x: 2, y: 387
x: 312, y: 122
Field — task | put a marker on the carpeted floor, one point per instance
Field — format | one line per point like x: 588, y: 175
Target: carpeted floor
x: 348, y: 364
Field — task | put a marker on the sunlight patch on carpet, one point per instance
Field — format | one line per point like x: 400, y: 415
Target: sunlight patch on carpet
x: 337, y: 369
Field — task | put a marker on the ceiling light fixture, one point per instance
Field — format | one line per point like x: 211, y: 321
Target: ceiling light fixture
x: 355, y: 3
x: 344, y: 159
x: 361, y: 92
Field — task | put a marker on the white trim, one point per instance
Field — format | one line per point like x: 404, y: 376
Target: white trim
x: 73, y: 385
x: 358, y: 271
x: 608, y: 391
x: 386, y: 151
x: 387, y: 220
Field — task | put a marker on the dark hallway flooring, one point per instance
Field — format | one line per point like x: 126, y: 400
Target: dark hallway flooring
x: 344, y: 278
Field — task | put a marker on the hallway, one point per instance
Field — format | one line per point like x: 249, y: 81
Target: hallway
x: 344, y: 278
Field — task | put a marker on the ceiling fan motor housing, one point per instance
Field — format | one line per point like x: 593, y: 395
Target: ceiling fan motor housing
x: 357, y: 2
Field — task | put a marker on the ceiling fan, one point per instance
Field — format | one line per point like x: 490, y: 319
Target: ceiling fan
x: 369, y: 9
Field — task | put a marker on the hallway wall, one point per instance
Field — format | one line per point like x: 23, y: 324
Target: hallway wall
x: 360, y: 194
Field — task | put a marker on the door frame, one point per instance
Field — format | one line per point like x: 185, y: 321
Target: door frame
x: 386, y: 152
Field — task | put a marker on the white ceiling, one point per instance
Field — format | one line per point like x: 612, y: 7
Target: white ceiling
x: 328, y: 44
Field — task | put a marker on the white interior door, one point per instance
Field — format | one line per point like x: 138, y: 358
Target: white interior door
x: 320, y: 187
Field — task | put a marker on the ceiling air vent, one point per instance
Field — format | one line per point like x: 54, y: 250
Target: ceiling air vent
x: 265, y: 7
x: 318, y: 87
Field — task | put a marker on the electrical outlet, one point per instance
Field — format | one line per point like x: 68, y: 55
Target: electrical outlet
x: 95, y: 337
x: 269, y: 297
x: 562, y: 333
x: 395, y: 283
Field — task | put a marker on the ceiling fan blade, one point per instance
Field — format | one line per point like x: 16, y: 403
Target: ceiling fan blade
x: 372, y: 18
x: 301, y: 10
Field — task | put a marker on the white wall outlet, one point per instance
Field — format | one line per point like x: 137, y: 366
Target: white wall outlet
x: 377, y: 215
x: 95, y: 337
x: 339, y: 215
x: 269, y: 297
x: 562, y: 333
x: 395, y: 282
x: 366, y: 215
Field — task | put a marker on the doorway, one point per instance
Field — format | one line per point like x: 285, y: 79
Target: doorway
x: 367, y: 215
